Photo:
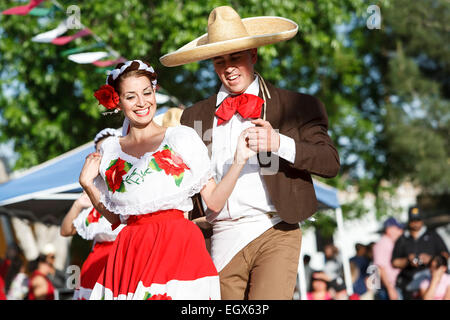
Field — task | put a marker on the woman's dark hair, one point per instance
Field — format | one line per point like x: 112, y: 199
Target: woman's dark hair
x: 440, y: 261
x: 315, y: 279
x: 17, y: 258
x: 33, y: 265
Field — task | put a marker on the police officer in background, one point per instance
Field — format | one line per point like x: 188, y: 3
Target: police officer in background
x: 414, y: 250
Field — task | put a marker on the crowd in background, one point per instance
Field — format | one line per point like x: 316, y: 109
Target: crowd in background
x: 407, y: 262
x: 30, y: 280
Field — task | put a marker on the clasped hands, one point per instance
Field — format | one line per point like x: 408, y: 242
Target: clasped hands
x: 261, y: 138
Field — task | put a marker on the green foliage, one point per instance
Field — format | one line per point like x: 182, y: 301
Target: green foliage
x: 324, y: 223
x: 406, y: 95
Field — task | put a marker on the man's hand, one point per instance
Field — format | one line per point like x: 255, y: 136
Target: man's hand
x: 263, y: 138
x: 425, y: 258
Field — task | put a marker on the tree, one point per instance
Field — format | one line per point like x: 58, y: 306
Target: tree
x: 48, y: 106
x: 406, y: 95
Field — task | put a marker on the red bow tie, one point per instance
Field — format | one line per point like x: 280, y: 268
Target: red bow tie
x: 247, y: 105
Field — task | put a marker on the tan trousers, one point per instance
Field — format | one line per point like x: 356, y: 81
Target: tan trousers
x: 266, y: 269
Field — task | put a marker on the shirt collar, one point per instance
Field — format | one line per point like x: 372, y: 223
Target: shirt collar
x: 421, y: 232
x: 253, y: 88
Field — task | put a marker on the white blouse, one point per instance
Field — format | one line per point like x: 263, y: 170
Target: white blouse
x: 163, y: 179
x: 91, y: 225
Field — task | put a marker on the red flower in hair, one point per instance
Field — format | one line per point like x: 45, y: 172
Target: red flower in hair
x: 107, y: 96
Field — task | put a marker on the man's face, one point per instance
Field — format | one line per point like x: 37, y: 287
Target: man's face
x: 415, y: 225
x: 394, y: 232
x: 235, y: 70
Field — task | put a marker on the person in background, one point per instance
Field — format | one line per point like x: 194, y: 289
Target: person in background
x: 334, y: 270
x: 172, y: 117
x: 413, y: 252
x: 438, y: 288
x: 40, y: 287
x: 16, y: 282
x: 308, y: 269
x: 4, y: 267
x: 18, y: 288
x: 382, y: 254
x: 82, y: 218
x: 319, y: 285
x: 361, y: 262
x: 56, y: 276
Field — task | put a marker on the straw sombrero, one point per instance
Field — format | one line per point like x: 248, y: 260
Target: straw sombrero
x: 228, y: 33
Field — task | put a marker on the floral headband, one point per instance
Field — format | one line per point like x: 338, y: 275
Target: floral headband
x: 107, y: 96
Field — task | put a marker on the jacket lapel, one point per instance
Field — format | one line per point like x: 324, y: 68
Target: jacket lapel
x: 272, y: 106
x: 207, y: 118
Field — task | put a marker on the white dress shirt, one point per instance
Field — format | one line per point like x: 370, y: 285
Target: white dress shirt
x: 245, y: 214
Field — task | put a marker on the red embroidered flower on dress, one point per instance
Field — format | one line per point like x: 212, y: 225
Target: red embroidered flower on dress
x: 92, y: 217
x: 114, y: 174
x: 107, y: 96
x: 170, y: 162
x: 159, y: 297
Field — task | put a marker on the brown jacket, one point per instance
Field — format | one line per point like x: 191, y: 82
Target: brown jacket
x: 299, y: 116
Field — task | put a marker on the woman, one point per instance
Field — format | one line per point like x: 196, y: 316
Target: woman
x: 39, y: 286
x: 83, y: 219
x: 146, y: 180
x: 438, y: 288
x: 319, y: 285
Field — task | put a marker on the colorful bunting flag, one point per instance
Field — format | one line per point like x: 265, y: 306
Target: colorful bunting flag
x: 107, y: 63
x: 88, y: 57
x: 83, y: 49
x: 42, y: 12
x: 48, y: 36
x: 77, y: 55
x: 22, y: 10
x: 66, y: 39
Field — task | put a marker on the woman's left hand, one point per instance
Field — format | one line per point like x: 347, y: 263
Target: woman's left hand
x: 243, y: 151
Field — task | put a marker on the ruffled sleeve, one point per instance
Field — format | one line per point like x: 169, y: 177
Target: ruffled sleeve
x: 81, y: 224
x: 90, y: 225
x: 186, y: 142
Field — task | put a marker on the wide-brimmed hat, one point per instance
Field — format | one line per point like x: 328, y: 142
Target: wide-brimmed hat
x: 228, y: 33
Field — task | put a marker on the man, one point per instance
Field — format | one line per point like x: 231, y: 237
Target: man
x: 382, y: 253
x: 414, y: 250
x: 361, y: 262
x: 256, y: 237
